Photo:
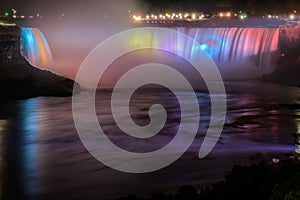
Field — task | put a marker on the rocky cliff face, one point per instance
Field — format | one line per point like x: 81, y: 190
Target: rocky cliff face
x: 10, y: 45
x: 288, y: 65
x: 19, y: 80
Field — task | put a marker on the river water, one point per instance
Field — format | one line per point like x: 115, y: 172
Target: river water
x: 42, y: 157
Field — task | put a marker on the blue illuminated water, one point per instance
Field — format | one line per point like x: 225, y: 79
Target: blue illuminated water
x: 35, y: 47
x: 41, y: 156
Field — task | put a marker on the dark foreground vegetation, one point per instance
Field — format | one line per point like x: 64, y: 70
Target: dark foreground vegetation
x: 275, y: 180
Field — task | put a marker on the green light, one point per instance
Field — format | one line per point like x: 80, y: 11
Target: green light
x: 6, y: 14
x: 245, y: 15
x: 129, y: 11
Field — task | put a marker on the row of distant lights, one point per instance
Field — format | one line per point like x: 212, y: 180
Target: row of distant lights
x: 186, y: 16
x: 193, y: 16
x: 23, y: 16
x: 167, y: 16
x: 292, y: 16
x: 7, y: 24
x: 229, y: 15
x: 14, y: 15
x: 276, y: 16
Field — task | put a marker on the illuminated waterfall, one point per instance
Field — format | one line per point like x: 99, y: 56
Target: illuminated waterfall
x: 243, y: 49
x: 238, y: 52
x: 238, y: 46
x: 35, y: 48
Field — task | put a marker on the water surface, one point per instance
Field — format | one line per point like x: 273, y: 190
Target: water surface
x: 42, y: 157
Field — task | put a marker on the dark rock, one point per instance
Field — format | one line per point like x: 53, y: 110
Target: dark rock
x: 288, y: 69
x: 19, y: 79
x: 24, y: 81
x: 285, y: 75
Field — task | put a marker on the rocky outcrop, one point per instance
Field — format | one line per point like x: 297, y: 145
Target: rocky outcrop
x: 288, y: 70
x: 285, y: 75
x: 24, y: 81
x: 10, y: 46
x: 19, y: 79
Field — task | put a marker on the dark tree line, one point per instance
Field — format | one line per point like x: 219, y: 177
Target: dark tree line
x: 255, y: 7
x: 261, y: 181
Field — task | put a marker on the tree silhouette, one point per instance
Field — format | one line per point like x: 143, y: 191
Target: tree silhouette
x: 251, y: 6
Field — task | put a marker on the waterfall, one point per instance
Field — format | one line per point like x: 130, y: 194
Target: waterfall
x: 238, y: 52
x: 35, y: 48
x: 238, y: 46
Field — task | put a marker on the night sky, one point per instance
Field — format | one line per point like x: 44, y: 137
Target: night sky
x: 52, y: 7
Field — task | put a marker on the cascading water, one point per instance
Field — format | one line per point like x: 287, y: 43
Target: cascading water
x: 255, y: 47
x: 239, y: 53
x: 35, y: 48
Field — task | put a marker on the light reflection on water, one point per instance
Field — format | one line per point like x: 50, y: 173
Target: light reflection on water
x: 19, y: 132
x: 30, y: 131
x: 41, y: 156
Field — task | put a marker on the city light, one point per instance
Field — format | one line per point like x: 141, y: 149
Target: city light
x: 14, y: 11
x: 244, y: 16
x: 228, y: 14
x: 193, y: 16
x: 137, y: 18
x: 7, y: 24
